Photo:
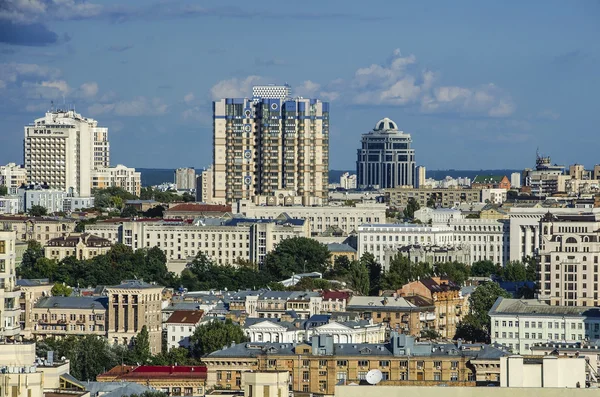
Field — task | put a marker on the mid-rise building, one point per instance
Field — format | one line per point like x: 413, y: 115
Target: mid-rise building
x: 386, y: 159
x: 62, y: 149
x: 9, y: 205
x: 348, y: 181
x: 430, y: 254
x: 545, y: 179
x: 493, y: 195
x: 263, y: 145
x: 444, y: 197
x: 71, y: 204
x: 185, y: 178
x: 119, y: 176
x: 204, y: 187
x: 79, y: 245
x: 569, y: 259
x: 12, y: 176
x: 41, y: 229
x: 520, y: 324
x: 421, y: 176
x: 345, y: 218
x: 10, y: 309
x: 491, y: 182
x: 36, y: 195
x: 191, y: 211
x: 180, y: 326
x: 515, y: 180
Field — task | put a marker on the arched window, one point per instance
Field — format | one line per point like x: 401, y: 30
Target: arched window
x: 571, y: 240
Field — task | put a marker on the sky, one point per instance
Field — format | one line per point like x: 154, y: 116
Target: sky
x: 477, y: 84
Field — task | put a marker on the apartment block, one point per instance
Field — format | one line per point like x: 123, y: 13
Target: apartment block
x: 31, y: 292
x: 12, y: 176
x: 9, y: 205
x: 204, y: 187
x: 37, y: 228
x: 10, y: 309
x: 185, y: 178
x: 119, y: 176
x: 180, y: 326
x: 265, y: 144
x: 321, y: 218
x: 51, y: 199
x: 520, y: 324
x: 450, y: 197
x: 82, y: 246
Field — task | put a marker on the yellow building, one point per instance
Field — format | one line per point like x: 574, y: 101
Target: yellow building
x: 31, y: 292
x: 40, y: 229
x: 338, y: 250
x: 80, y: 245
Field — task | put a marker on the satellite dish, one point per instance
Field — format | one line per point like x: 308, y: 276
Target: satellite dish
x: 374, y: 376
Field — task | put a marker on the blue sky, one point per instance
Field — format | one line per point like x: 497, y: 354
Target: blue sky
x: 477, y: 84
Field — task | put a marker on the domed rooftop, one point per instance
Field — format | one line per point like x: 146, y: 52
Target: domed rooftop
x: 385, y: 124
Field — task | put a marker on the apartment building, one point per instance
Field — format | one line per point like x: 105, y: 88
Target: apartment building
x: 437, y: 215
x: 126, y: 178
x: 132, y: 305
x: 31, y: 292
x: 185, y: 178
x: 319, y: 365
x: 79, y: 245
x: 520, y: 324
x: 265, y: 144
x: 41, y: 229
x: 321, y: 218
x: 429, y: 254
x: 180, y: 326
x: 450, y: 197
x: 9, y: 205
x: 486, y: 239
x: 224, y: 240
x: 12, y: 176
x: 204, y: 187
x: 446, y: 298
x: 60, y: 316
x: 10, y: 309
x: 62, y: 149
x: 569, y: 256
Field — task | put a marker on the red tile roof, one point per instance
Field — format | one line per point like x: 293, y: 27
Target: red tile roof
x: 191, y: 207
x: 333, y: 295
x: 186, y: 317
x: 129, y: 372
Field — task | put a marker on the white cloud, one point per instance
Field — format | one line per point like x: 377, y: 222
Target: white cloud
x: 13, y: 72
x: 89, y: 90
x: 50, y: 89
x: 31, y: 11
x: 307, y: 88
x: 235, y: 88
x: 140, y: 106
x: 189, y: 98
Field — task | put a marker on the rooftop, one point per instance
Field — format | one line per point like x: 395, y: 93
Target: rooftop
x: 134, y: 284
x: 192, y: 207
x: 378, y: 302
x: 185, y: 317
x: 534, y: 307
x: 73, y: 302
x: 73, y: 239
x: 337, y: 247
x: 147, y: 372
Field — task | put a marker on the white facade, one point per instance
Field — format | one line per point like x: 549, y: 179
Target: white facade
x: 62, y: 148
x: 348, y: 181
x: 204, y: 187
x: 10, y: 309
x: 520, y: 323
x: 77, y: 203
x: 185, y: 178
x: 487, y: 239
x: 347, y: 218
x: 9, y: 205
x: 493, y: 196
x: 549, y: 371
x: 12, y: 176
x: 178, y: 334
x: 52, y: 200
x: 437, y: 215
x: 119, y: 176
x: 515, y: 180
x: 272, y: 91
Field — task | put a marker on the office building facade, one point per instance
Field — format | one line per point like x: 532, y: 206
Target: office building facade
x: 12, y: 176
x: 185, y: 178
x: 386, y: 159
x: 265, y: 145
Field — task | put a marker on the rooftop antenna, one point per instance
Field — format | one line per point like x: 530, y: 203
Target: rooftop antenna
x: 52, y: 105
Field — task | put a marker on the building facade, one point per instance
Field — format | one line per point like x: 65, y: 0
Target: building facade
x: 82, y: 246
x: 263, y: 145
x: 180, y: 326
x: 9, y: 205
x: 348, y: 181
x: 10, y: 309
x: 185, y: 178
x: 119, y: 176
x: 37, y: 228
x: 386, y: 159
x: 12, y: 176
x: 445, y: 197
x: 51, y: 199
x: 204, y: 187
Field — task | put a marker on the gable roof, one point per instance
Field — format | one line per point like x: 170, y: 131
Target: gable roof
x: 73, y: 302
x: 488, y: 179
x: 185, y: 317
x: 534, y: 307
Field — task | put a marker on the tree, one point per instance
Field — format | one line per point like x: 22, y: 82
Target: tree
x: 359, y: 277
x: 37, y: 210
x: 476, y: 325
x: 213, y: 336
x: 80, y: 227
x: 402, y: 271
x: 60, y: 289
x: 455, y: 271
x: 33, y: 252
x: 483, y: 268
x: 374, y: 269
x: 188, y: 197
x: 429, y: 333
x: 297, y: 255
x: 530, y: 268
x: 411, y: 206
x: 3, y: 190
x: 155, y: 212
x: 141, y: 348
x: 514, y: 271
x: 129, y: 212
x: 431, y: 202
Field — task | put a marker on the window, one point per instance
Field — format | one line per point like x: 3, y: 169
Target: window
x: 305, y: 376
x: 384, y: 363
x: 272, y: 363
x: 437, y: 364
x: 363, y: 363
x: 2, y: 247
x: 437, y: 376
x: 362, y: 375
x: 454, y: 376
x: 342, y: 363
x: 454, y: 364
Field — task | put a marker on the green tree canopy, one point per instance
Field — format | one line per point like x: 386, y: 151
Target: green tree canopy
x: 60, y: 289
x: 515, y: 271
x: 3, y: 190
x: 37, y: 210
x: 141, y: 347
x: 359, y: 277
x: 374, y: 268
x: 402, y: 271
x: 483, y: 268
x: 411, y: 206
x: 129, y: 212
x: 456, y: 271
x: 215, y: 335
x: 297, y: 255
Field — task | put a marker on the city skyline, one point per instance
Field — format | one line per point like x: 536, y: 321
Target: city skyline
x: 469, y: 101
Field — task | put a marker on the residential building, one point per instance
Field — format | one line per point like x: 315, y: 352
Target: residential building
x: 487, y: 239
x: 491, y: 182
x: 549, y: 371
x: 274, y: 304
x: 348, y: 181
x: 126, y: 178
x: 224, y: 240
x: 318, y: 366
x: 272, y: 91
x: 10, y: 309
x: 60, y: 316
x: 337, y: 250
x: 132, y: 305
x: 176, y: 380
x: 519, y: 324
x: 569, y: 252
x: 266, y: 384
x: 334, y: 301
x: 437, y: 215
x: 62, y: 149
x: 321, y: 218
x: 409, y: 315
x: 545, y: 179
x: 31, y: 292
x: 12, y: 176
x: 493, y: 195
x: 266, y: 144
x: 421, y: 176
x: 398, y: 197
x: 585, y: 350
x: 204, y: 187
x: 386, y: 159
x: 180, y: 326
x: 9, y: 205
x: 41, y: 229
x: 196, y: 210
x: 72, y: 204
x: 82, y: 246
x: 185, y: 178
x: 446, y: 298
x: 431, y: 254
x: 41, y: 195
x: 515, y: 180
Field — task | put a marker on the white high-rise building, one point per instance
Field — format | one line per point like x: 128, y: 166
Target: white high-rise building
x: 10, y: 308
x: 348, y: 181
x: 515, y: 180
x: 62, y: 149
x: 272, y: 91
x: 12, y: 176
x: 185, y: 178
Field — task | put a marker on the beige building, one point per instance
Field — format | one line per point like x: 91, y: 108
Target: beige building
x: 31, y: 292
x: 569, y: 256
x: 548, y: 371
x: 131, y: 306
x: 345, y: 218
x: 446, y: 197
x: 262, y: 145
x: 12, y: 176
x: 185, y: 178
x: 40, y: 229
x: 224, y: 240
x: 10, y: 309
x: 120, y: 176
x: 63, y: 148
x: 204, y: 187
x: 80, y: 245
x: 266, y: 384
